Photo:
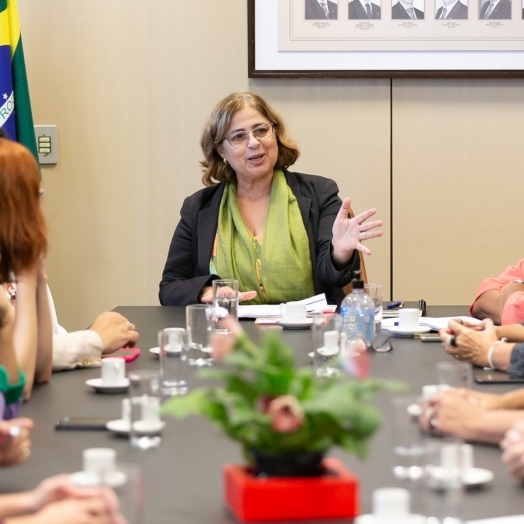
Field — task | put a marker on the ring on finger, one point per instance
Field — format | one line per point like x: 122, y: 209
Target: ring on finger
x: 453, y: 341
x: 128, y: 324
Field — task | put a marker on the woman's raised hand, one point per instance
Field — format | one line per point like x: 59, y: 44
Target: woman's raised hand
x: 349, y: 233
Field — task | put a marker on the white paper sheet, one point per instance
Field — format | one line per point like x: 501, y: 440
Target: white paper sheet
x: 314, y: 304
x: 435, y: 323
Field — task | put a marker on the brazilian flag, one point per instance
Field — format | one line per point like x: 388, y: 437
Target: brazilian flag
x: 15, y: 107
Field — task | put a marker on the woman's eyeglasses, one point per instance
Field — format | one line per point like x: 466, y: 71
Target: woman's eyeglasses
x: 239, y: 138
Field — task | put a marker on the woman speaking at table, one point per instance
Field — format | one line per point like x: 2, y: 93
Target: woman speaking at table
x: 283, y: 235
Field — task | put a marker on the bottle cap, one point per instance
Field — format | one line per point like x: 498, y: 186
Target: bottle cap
x: 357, y: 283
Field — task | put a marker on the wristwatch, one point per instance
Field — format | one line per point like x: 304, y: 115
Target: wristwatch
x: 518, y: 281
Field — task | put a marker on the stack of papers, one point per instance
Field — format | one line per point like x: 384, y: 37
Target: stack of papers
x: 316, y: 304
x: 435, y: 323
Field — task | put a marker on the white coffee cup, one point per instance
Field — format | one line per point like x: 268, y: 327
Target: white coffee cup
x: 391, y: 505
x: 294, y: 311
x: 408, y: 319
x: 113, y: 371
x: 99, y: 461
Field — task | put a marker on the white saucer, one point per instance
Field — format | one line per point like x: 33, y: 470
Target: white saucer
x: 84, y: 479
x: 97, y: 384
x: 415, y: 410
x: 478, y: 476
x: 473, y: 477
x: 370, y: 519
x: 120, y: 427
x: 295, y: 324
x: 155, y: 351
x: 407, y: 333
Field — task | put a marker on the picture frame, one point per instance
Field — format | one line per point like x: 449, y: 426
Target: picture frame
x: 267, y: 60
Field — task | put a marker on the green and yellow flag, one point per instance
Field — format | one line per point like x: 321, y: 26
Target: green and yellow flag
x: 15, y: 107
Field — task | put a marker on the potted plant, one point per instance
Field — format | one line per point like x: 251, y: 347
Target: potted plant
x: 284, y: 417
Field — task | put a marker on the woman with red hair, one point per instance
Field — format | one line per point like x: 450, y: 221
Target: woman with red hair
x: 23, y: 244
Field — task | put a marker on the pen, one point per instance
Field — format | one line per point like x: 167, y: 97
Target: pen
x: 395, y: 305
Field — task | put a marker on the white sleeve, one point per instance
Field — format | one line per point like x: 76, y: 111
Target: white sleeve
x: 76, y: 349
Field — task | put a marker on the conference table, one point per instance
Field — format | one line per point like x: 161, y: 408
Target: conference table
x: 183, y: 478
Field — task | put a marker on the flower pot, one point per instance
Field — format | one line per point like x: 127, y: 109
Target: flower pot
x: 290, y: 464
x: 332, y: 495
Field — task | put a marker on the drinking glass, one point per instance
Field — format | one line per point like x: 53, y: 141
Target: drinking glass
x: 327, y: 340
x: 375, y: 292
x: 445, y: 462
x: 173, y: 363
x: 408, y: 442
x: 225, y: 298
x: 146, y: 425
x: 454, y: 374
x: 199, y: 324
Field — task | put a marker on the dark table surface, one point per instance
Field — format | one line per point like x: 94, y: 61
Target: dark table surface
x: 183, y: 478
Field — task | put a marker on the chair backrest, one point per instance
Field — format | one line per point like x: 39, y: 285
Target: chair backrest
x: 363, y: 275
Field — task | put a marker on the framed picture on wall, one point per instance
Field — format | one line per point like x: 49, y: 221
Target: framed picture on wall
x: 386, y: 38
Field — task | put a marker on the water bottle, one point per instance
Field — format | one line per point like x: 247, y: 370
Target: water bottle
x: 358, y: 312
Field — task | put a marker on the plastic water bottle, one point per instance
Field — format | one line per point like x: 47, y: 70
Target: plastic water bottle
x: 358, y: 312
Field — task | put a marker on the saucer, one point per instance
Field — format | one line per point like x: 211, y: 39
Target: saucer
x: 397, y: 331
x: 295, y: 324
x: 155, y: 351
x: 477, y: 476
x: 84, y: 479
x: 370, y: 519
x: 99, y: 387
x: 472, y: 477
x: 121, y: 427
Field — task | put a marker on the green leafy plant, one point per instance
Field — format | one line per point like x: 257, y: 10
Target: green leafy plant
x: 268, y: 404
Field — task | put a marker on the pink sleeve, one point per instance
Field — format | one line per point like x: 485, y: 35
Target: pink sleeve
x: 508, y: 275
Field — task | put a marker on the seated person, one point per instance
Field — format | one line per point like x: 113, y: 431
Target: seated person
x: 486, y: 345
x: 41, y: 342
x: 471, y: 415
x: 501, y: 298
x: 284, y: 236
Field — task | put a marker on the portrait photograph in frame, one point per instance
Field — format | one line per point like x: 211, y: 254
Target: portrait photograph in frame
x: 456, y: 43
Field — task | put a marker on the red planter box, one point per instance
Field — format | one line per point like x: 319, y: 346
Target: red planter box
x: 330, y: 496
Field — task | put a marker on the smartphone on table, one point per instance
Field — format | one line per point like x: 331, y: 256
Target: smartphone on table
x: 497, y: 377
x: 128, y: 354
x: 82, y: 423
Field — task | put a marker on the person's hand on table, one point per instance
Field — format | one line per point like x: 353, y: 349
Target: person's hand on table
x: 59, y: 487
x: 15, y: 444
x: 115, y: 331
x: 464, y: 343
x: 206, y: 296
x: 513, y: 450
x: 452, y: 413
x: 348, y: 233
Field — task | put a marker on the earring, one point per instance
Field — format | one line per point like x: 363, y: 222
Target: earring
x: 225, y: 161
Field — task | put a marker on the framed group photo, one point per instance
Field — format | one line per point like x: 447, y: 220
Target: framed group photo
x: 386, y: 38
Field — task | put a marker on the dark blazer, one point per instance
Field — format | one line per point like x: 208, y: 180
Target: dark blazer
x: 187, y: 267
x: 398, y: 12
x: 314, y: 10
x: 357, y: 12
x: 502, y: 10
x: 459, y: 12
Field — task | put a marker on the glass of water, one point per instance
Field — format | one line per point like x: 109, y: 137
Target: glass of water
x: 225, y: 299
x: 408, y: 441
x: 375, y: 292
x: 199, y: 326
x: 327, y: 340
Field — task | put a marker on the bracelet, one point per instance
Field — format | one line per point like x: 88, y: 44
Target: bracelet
x: 492, y: 349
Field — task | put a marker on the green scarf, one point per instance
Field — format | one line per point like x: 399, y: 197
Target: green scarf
x: 285, y: 263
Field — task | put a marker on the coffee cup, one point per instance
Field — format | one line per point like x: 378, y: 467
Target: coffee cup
x: 294, y: 311
x: 408, y: 319
x: 113, y: 371
x: 99, y: 461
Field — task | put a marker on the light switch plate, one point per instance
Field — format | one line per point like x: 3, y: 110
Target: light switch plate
x: 46, y: 144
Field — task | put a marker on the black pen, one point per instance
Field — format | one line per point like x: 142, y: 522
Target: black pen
x: 395, y: 305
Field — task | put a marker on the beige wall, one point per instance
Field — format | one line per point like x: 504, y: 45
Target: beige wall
x: 130, y: 84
